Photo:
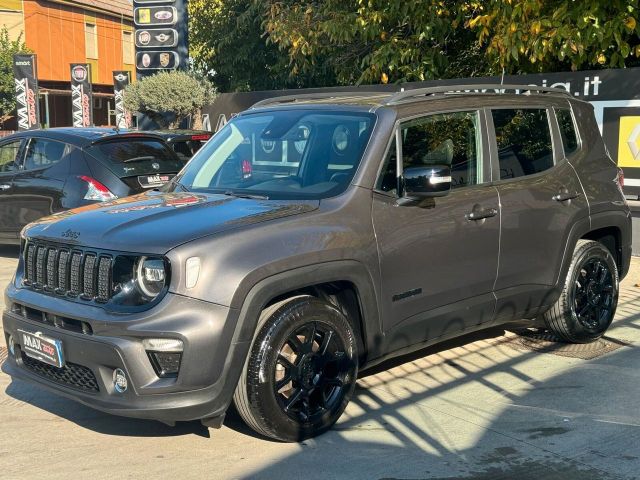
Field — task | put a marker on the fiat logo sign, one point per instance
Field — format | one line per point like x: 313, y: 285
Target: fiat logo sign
x: 79, y: 73
x: 144, y: 37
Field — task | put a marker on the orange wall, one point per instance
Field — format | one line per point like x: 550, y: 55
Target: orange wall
x: 56, y: 34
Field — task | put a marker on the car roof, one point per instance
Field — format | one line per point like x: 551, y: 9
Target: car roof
x: 360, y: 100
x: 80, y: 137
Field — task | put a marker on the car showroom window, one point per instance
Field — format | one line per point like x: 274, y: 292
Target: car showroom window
x: 452, y: 139
x: 524, y: 141
x: 567, y: 131
x: 8, y: 154
x: 43, y: 153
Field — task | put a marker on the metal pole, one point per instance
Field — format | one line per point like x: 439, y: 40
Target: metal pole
x: 46, y: 109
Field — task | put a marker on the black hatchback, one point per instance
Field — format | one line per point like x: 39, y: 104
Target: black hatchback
x: 47, y: 171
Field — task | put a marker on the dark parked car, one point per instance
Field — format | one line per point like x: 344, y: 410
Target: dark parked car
x: 358, y: 227
x: 47, y: 171
x: 184, y: 142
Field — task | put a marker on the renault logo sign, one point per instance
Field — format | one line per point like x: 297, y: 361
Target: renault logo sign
x: 633, y: 142
x: 629, y: 142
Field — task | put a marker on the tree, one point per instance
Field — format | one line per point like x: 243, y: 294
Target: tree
x: 168, y: 98
x: 374, y: 41
x: 228, y: 44
x: 539, y: 35
x: 8, y: 48
x: 254, y: 44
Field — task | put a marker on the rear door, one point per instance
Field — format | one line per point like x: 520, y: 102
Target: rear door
x: 540, y: 197
x: 141, y: 163
x: 37, y: 189
x: 10, y: 151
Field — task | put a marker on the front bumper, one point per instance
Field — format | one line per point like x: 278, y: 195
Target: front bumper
x: 210, y: 365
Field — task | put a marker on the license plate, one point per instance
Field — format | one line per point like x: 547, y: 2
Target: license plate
x: 45, y: 349
x: 150, y: 181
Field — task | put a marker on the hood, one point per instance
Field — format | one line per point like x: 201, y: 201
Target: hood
x: 154, y: 222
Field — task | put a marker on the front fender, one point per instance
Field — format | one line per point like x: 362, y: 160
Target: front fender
x: 254, y: 296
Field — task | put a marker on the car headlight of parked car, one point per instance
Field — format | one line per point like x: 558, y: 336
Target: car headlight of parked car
x: 138, y: 280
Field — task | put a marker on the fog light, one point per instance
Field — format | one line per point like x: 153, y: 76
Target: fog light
x: 12, y: 346
x: 165, y: 364
x: 119, y: 380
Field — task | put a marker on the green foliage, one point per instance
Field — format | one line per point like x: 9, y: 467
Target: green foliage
x: 228, y: 44
x: 169, y: 97
x: 267, y: 44
x: 538, y: 35
x: 374, y: 41
x: 8, y: 48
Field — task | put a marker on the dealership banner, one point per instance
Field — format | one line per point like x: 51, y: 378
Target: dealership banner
x: 121, y: 79
x: 26, y: 83
x: 614, y: 94
x: 161, y: 28
x: 81, y: 95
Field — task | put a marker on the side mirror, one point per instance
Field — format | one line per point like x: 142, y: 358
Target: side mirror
x: 427, y: 181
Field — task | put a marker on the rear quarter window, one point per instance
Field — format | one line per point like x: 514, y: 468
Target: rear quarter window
x: 135, y: 156
x: 567, y: 131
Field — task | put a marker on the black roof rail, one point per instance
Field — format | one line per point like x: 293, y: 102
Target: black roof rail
x: 317, y: 96
x: 495, y: 89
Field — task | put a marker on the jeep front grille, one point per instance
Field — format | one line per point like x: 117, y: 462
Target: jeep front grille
x: 68, y: 271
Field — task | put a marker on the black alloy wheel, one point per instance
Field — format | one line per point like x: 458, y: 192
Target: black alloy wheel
x: 310, y: 371
x: 593, y: 295
x: 588, y: 301
x: 301, y: 370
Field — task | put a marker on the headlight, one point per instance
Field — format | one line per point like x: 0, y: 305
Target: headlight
x: 138, y: 280
x: 150, y: 276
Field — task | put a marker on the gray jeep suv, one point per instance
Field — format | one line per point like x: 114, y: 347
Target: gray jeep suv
x: 316, y: 236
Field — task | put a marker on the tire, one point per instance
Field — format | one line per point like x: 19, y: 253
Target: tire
x: 301, y: 370
x: 589, y: 298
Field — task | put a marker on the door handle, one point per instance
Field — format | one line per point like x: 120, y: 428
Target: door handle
x: 5, y: 186
x: 482, y: 213
x: 564, y: 196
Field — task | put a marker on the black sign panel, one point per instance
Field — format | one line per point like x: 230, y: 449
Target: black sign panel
x: 81, y: 95
x: 26, y: 83
x: 153, y: 16
x: 156, y: 60
x: 160, y: 37
x: 120, y: 80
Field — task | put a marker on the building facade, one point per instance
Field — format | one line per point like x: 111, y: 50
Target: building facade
x: 61, y: 32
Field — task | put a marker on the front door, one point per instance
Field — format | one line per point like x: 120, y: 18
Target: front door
x: 439, y: 257
x: 9, y: 161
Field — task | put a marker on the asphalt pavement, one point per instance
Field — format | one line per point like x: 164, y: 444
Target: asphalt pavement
x: 489, y: 406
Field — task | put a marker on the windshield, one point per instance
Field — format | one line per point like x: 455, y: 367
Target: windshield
x: 290, y: 154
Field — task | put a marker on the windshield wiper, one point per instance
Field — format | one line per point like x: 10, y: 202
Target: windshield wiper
x: 138, y: 159
x: 245, y: 195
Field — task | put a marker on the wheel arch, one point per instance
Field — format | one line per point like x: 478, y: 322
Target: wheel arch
x: 346, y: 283
x: 611, y: 228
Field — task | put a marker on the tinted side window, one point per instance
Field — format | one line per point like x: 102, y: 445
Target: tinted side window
x: 8, y: 155
x: 43, y: 153
x: 524, y: 141
x: 442, y: 139
x: 567, y: 131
